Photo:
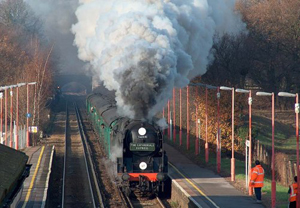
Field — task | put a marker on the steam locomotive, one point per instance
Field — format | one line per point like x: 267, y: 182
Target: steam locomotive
x: 135, y: 146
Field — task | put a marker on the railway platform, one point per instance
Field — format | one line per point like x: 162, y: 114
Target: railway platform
x: 34, y: 192
x: 203, y: 187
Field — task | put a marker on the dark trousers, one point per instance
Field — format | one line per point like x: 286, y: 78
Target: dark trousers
x: 258, y: 193
x: 292, y: 204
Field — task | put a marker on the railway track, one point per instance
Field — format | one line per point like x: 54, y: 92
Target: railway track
x: 140, y: 202
x: 109, y: 194
x: 137, y: 201
x: 69, y: 186
x: 80, y: 187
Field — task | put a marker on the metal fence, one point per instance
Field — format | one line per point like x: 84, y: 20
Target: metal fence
x: 13, y: 143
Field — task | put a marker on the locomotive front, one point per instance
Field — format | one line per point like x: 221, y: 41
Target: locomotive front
x: 144, y: 164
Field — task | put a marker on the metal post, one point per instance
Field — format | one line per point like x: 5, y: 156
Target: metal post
x: 170, y: 126
x: 199, y: 134
x: 197, y: 140
x: 11, y: 119
x: 232, y: 139
x: 27, y: 118
x: 273, y: 186
x: 196, y: 126
x: 168, y: 119
x: 297, y: 139
x: 196, y: 113
x: 246, y: 166
x: 180, y: 117
x: 297, y: 109
x: 1, y: 97
x: 187, y: 119
x: 163, y: 114
x: 17, y: 121
x: 206, y: 121
x: 250, y: 143
x: 174, y: 117
x: 6, y: 116
x: 196, y: 131
x: 34, y: 111
x: 218, y: 134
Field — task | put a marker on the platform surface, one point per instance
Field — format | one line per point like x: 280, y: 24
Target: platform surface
x: 204, y: 186
x: 34, y: 193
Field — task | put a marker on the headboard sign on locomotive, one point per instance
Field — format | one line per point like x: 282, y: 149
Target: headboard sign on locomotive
x: 135, y: 146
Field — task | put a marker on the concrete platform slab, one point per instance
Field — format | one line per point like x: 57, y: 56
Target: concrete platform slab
x: 204, y: 186
x: 35, y: 189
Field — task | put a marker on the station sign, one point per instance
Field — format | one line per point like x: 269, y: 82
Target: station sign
x: 33, y: 129
x: 142, y: 147
x: 297, y: 108
x: 247, y: 143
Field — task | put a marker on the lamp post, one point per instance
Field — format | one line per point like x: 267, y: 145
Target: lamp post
x: 1, y: 97
x: 27, y: 118
x: 163, y: 114
x: 197, y: 127
x: 250, y: 134
x: 206, y: 116
x: 17, y: 115
x: 187, y: 119
x: 28, y: 114
x: 206, y: 122
x: 218, y: 133
x: 180, y: 117
x: 11, y: 117
x: 174, y: 116
x: 232, y: 129
x: 5, y: 111
x: 286, y: 94
x: 273, y: 188
x: 169, y: 119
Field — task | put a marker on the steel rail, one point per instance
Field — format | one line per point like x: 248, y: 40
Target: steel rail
x: 65, y: 158
x: 125, y: 198
x: 88, y: 159
x: 129, y: 204
x: 160, y: 202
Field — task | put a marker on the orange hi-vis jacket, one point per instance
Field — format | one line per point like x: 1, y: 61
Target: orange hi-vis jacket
x: 257, y: 177
x: 293, y: 192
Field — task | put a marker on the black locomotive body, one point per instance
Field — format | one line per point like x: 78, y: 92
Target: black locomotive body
x: 135, y: 146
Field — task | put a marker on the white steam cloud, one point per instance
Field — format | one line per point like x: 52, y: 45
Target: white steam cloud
x: 144, y: 48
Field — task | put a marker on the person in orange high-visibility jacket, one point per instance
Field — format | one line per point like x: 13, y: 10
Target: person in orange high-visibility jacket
x: 293, y: 193
x: 257, y: 180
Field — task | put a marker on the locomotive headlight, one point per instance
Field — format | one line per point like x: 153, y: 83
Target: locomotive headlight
x: 160, y: 176
x: 143, y: 165
x: 125, y: 177
x: 142, y: 131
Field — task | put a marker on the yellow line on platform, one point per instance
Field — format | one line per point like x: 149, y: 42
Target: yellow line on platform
x: 33, y: 178
x: 192, y: 184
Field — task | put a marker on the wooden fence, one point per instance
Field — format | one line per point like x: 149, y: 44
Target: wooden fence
x: 285, y: 169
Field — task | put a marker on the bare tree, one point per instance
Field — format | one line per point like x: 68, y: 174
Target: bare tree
x: 23, y: 58
x: 18, y: 14
x: 274, y: 27
x: 231, y: 61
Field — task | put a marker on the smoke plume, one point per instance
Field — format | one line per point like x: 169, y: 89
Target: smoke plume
x: 144, y: 48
